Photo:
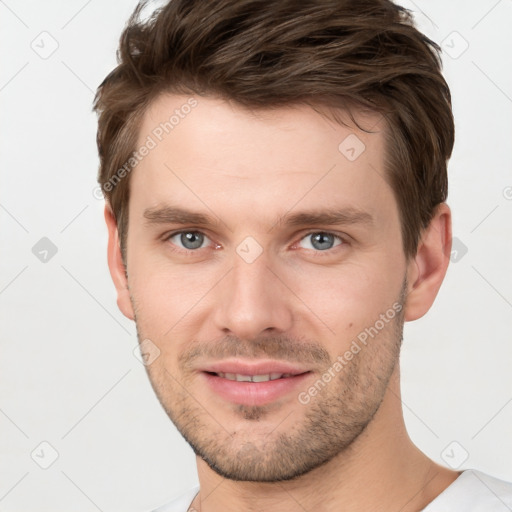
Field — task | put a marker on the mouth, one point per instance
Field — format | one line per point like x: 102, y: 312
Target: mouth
x: 253, y: 378
x: 253, y: 383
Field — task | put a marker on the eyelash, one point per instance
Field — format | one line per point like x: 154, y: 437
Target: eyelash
x: 317, y: 253
x: 189, y: 252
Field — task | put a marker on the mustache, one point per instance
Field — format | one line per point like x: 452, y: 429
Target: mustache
x: 270, y: 347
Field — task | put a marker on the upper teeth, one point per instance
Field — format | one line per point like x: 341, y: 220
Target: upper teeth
x: 253, y: 378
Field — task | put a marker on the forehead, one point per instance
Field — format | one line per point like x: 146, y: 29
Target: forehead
x: 170, y: 114
x: 209, y: 148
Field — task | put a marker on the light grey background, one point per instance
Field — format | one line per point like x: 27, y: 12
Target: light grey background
x: 68, y: 374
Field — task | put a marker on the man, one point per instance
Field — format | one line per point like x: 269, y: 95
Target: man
x: 275, y: 183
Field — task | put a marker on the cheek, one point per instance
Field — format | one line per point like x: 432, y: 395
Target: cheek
x: 349, y: 289
x: 167, y: 297
x: 346, y: 299
x: 162, y: 309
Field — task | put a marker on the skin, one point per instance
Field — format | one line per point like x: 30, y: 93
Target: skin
x: 347, y: 448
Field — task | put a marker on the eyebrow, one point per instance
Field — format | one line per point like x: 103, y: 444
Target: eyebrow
x: 325, y: 217
x: 175, y: 215
x: 328, y: 217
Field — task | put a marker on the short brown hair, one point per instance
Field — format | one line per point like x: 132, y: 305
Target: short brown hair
x: 272, y: 53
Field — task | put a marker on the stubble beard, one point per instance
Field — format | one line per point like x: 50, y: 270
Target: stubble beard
x: 326, y: 427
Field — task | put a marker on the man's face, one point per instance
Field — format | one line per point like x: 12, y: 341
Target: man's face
x: 259, y: 248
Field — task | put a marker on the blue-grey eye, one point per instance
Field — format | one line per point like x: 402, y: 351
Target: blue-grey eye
x: 320, y: 241
x: 189, y: 240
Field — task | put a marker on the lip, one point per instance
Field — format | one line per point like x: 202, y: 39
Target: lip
x: 260, y: 367
x: 253, y: 393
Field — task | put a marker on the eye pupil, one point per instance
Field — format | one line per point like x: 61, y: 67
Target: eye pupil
x: 192, y: 240
x: 322, y: 241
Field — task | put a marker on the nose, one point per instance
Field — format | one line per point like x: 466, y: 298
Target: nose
x: 252, y: 300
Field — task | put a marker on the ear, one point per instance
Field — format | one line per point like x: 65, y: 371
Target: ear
x: 426, y: 271
x: 116, y: 266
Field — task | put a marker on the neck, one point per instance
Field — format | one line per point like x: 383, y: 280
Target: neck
x: 382, y: 470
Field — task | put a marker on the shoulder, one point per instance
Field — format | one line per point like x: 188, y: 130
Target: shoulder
x: 474, y: 491
x: 180, y: 504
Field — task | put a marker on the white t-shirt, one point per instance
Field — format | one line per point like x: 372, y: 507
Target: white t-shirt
x: 472, y: 491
